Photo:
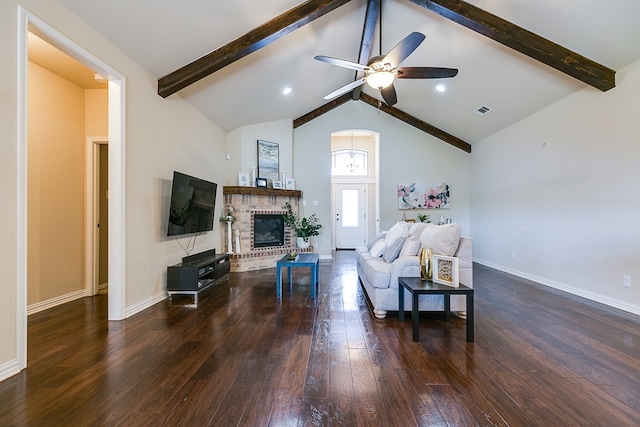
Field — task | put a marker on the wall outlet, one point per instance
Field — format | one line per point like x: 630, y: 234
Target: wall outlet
x: 626, y: 281
x: 513, y: 256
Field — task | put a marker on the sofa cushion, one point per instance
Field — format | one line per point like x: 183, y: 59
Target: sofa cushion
x: 377, y: 237
x: 378, y: 273
x: 417, y: 229
x: 392, y: 250
x: 377, y: 249
x: 399, y: 229
x: 411, y: 247
x: 441, y: 239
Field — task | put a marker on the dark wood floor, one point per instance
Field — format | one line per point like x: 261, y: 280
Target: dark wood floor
x: 540, y: 358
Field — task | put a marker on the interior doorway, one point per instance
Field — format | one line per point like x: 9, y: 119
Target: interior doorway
x: 28, y: 22
x: 97, y: 216
x: 354, y: 186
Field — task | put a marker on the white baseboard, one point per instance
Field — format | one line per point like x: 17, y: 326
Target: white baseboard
x: 9, y: 369
x: 53, y: 302
x: 144, y: 304
x: 603, y: 299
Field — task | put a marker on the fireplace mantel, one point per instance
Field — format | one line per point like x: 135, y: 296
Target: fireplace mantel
x: 258, y: 191
x: 248, y: 201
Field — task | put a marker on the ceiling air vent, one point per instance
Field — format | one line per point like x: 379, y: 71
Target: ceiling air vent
x: 483, y: 110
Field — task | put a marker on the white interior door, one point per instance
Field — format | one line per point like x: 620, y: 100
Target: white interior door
x: 350, y: 215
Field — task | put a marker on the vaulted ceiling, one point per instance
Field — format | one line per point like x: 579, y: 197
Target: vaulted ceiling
x: 232, y: 60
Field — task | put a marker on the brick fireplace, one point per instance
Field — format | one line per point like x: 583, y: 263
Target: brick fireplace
x: 248, y: 201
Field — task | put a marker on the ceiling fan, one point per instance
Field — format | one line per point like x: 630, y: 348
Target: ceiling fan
x: 380, y: 71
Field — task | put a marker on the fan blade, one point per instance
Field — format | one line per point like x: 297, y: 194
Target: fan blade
x: 425, y: 72
x: 389, y: 95
x: 402, y: 50
x: 345, y: 89
x: 342, y: 63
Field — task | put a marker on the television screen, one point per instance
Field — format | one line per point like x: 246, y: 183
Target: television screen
x: 193, y: 205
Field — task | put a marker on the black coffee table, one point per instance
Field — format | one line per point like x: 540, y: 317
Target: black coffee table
x: 418, y: 287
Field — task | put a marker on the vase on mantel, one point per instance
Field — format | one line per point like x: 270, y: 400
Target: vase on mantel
x: 301, y: 243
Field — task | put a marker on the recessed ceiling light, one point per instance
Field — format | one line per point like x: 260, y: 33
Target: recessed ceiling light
x: 286, y: 91
x: 441, y: 88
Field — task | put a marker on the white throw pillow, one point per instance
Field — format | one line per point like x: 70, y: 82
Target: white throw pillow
x: 377, y: 249
x: 417, y: 229
x: 392, y: 251
x: 411, y: 247
x: 441, y: 239
x: 377, y: 237
x: 399, y: 229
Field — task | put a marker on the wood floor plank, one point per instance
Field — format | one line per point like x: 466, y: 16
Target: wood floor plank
x: 244, y: 357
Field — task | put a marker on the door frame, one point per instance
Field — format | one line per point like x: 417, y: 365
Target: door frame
x: 92, y: 213
x: 371, y: 183
x: 27, y: 22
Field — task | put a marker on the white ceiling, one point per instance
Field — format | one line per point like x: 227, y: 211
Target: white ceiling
x: 164, y: 35
x: 54, y: 60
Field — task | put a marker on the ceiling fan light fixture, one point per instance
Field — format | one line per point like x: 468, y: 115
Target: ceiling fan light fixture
x: 380, y: 79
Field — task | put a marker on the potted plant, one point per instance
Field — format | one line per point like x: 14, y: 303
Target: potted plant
x: 423, y: 218
x: 304, y: 227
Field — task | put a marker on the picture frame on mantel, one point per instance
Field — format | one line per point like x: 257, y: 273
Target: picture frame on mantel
x: 243, y: 179
x: 261, y: 182
x: 268, y: 160
x: 290, y: 184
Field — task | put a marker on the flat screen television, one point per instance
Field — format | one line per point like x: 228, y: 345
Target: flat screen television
x: 192, y: 206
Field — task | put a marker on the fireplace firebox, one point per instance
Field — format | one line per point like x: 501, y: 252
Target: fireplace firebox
x: 268, y: 230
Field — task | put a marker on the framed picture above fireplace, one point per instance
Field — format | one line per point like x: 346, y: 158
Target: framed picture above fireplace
x: 268, y: 160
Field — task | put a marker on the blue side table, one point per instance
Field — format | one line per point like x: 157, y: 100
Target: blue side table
x: 302, y: 260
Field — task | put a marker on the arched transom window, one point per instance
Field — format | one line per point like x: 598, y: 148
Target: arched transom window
x: 349, y: 161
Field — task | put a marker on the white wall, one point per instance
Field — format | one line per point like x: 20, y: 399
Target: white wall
x: 162, y: 135
x: 242, y: 146
x: 406, y: 154
x: 559, y: 190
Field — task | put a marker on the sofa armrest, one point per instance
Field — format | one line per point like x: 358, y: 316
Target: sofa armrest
x: 405, y: 266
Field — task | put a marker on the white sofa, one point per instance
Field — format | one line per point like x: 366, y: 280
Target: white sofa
x: 395, y: 253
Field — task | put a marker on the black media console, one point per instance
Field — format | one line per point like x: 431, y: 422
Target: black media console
x: 196, y: 273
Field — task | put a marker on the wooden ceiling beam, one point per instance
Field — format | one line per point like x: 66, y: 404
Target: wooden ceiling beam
x: 255, y: 39
x: 368, y: 31
x: 523, y: 41
x: 417, y: 123
x: 336, y: 102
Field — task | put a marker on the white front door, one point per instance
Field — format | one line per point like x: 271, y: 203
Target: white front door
x: 350, y: 215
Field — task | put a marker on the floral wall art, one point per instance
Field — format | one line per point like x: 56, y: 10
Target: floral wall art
x: 419, y: 195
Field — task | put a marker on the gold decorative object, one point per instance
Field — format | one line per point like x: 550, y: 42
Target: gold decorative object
x: 426, y: 267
